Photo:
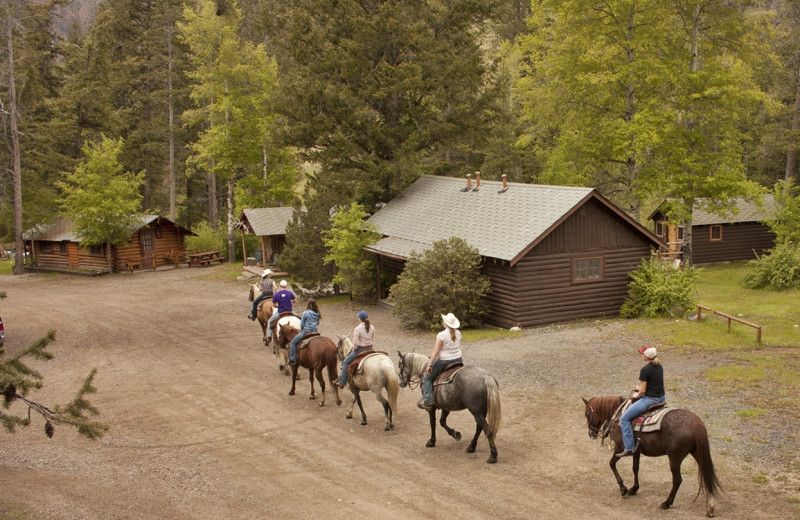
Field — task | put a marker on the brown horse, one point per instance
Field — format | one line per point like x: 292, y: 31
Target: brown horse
x: 682, y: 433
x: 319, y: 352
x: 264, y: 313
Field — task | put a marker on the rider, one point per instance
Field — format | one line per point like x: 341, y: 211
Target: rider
x: 363, y: 335
x: 309, y: 322
x: 267, y: 287
x: 284, y: 299
x: 447, y: 350
x: 649, y: 391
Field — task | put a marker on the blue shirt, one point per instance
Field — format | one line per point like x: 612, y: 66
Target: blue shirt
x: 309, y: 320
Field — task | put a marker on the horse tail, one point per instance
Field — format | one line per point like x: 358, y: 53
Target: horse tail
x: 392, y: 388
x: 492, y: 406
x: 709, y: 483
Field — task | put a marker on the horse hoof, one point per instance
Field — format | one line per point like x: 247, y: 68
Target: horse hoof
x: 664, y: 505
x: 457, y: 436
x: 311, y: 397
x: 430, y: 444
x: 349, y: 416
x: 710, y: 513
x: 338, y: 402
x: 623, y: 491
x: 363, y: 423
x: 470, y: 449
x: 492, y: 459
x: 322, y: 403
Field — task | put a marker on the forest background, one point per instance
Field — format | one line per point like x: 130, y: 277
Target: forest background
x: 219, y: 105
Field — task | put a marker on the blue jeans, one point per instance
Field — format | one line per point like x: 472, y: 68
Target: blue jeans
x: 428, y: 379
x: 635, y: 410
x: 258, y: 300
x: 346, y: 363
x: 270, y: 322
x: 295, y: 342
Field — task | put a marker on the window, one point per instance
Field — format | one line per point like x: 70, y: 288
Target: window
x: 715, y: 233
x: 96, y: 250
x: 680, y: 233
x: 587, y: 269
x: 46, y: 247
x: 659, y: 228
x: 62, y: 247
x: 146, y: 237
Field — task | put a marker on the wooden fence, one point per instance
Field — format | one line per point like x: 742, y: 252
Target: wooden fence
x: 701, y: 308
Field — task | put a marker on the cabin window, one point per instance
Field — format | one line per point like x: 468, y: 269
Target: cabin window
x: 659, y: 229
x: 46, y: 247
x: 62, y: 247
x: 96, y: 250
x: 147, y: 240
x: 715, y: 233
x: 680, y: 233
x: 587, y: 269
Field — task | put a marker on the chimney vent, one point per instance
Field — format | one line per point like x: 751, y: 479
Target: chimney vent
x: 505, y: 184
x: 469, y: 183
x: 477, y: 181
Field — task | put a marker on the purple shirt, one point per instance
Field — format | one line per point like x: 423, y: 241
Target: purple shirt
x: 284, y: 299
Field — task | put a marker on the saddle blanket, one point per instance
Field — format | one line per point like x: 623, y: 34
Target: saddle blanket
x: 355, y: 366
x: 650, y: 422
x: 447, y: 376
x: 308, y: 337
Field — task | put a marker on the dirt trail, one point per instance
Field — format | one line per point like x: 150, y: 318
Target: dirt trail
x: 202, y: 426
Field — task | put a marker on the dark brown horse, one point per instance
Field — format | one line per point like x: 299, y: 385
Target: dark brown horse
x: 320, y: 352
x: 682, y: 433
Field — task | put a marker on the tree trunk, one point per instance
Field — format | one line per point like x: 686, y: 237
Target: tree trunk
x: 791, y: 154
x: 19, y: 243
x: 171, y: 107
x: 231, y: 221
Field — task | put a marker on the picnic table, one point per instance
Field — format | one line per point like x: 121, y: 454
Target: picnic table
x: 205, y: 258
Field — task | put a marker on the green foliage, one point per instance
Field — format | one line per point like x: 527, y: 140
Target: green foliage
x: 207, y: 239
x: 786, y: 224
x: 446, y: 278
x: 659, y: 289
x: 102, y: 201
x: 779, y: 269
x: 355, y: 268
x: 18, y: 380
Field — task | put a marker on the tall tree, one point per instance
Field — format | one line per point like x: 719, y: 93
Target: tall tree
x: 232, y: 82
x: 100, y: 198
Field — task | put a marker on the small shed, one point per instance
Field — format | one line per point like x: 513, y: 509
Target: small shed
x: 552, y: 253
x: 270, y: 225
x: 738, y: 234
x: 154, y: 241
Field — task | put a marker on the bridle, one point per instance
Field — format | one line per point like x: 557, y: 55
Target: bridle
x: 412, y: 383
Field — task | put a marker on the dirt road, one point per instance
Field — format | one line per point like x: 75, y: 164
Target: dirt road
x: 201, y: 426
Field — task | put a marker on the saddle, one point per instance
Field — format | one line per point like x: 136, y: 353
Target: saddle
x: 355, y: 365
x: 650, y: 420
x: 262, y: 302
x: 304, y: 342
x: 446, y: 377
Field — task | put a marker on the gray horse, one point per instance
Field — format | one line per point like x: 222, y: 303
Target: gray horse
x: 471, y: 388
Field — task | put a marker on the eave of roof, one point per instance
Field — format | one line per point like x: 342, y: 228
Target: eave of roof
x: 267, y: 221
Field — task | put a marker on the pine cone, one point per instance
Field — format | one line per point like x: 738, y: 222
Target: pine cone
x: 48, y: 429
x: 10, y: 392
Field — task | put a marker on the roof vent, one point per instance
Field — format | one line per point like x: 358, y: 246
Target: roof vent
x: 469, y: 183
x: 505, y: 184
x: 477, y: 181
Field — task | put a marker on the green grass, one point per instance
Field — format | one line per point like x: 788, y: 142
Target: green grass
x: 6, y: 267
x: 719, y: 287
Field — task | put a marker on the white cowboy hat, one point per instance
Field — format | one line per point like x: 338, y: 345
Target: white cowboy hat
x: 451, y: 321
x: 266, y: 272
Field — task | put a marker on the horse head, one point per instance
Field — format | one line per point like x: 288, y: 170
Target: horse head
x: 343, y: 347
x: 599, y: 412
x: 253, y: 289
x: 411, y: 365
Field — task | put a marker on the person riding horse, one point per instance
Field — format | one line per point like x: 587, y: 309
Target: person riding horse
x: 649, y: 391
x: 284, y: 299
x: 363, y: 336
x: 267, y: 287
x: 446, y: 351
x: 309, y: 322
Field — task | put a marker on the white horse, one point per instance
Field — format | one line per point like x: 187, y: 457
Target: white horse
x: 281, y: 348
x: 375, y: 373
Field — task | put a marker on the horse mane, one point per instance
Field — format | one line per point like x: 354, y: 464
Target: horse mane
x: 604, y: 406
x: 419, y: 363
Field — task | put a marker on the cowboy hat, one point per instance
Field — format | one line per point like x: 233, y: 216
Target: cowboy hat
x: 451, y: 321
x: 266, y: 272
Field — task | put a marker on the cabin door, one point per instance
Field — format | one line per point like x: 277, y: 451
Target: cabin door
x: 147, y: 244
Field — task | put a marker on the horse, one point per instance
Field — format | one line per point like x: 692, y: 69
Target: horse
x: 377, y: 372
x: 471, y: 388
x: 265, y: 311
x: 682, y: 432
x: 280, y: 347
x: 319, y: 353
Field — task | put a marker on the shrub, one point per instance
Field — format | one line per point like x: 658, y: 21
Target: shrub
x: 355, y: 268
x: 779, y: 270
x: 207, y: 239
x: 446, y: 278
x: 659, y: 289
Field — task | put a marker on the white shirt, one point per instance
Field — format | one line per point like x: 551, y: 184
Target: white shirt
x: 450, y: 349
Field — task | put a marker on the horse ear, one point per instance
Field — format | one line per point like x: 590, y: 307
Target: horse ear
x: 585, y: 401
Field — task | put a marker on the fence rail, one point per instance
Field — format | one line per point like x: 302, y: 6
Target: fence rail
x: 701, y: 308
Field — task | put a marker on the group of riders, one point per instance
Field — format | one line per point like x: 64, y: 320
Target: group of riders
x: 446, y: 353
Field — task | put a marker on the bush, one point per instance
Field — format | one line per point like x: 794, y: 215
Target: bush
x: 659, y: 289
x: 207, y: 239
x: 447, y: 278
x: 355, y: 268
x: 778, y: 270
